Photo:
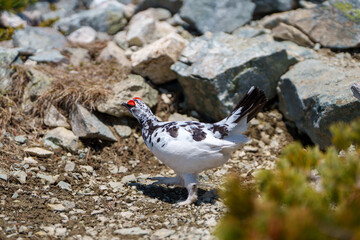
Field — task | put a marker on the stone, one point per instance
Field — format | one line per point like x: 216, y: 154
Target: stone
x: 269, y: 6
x: 113, y: 52
x: 10, y: 20
x: 3, y: 175
x: 20, y: 176
x: 355, y: 88
x: 49, y: 56
x: 57, y: 207
x: 220, y: 68
x: 64, y: 138
x: 123, y: 130
x: 172, y: 5
x: 315, y: 95
x: 64, y: 185
x: 39, y: 83
x: 69, y: 166
x: 60, y: 232
x: 132, y: 86
x: 120, y: 40
x: 154, y: 60
x: 316, y: 22
x: 110, y: 19
x: 47, y: 179
x: 78, y: 56
x: 163, y: 233
x: 39, y: 38
x: 7, y: 57
x: 39, y: 152
x: 131, y: 231
x: 217, y: 16
x: 84, y: 124
x: 83, y: 35
x: 116, y: 185
x: 145, y: 28
x: 128, y: 178
x: 53, y: 118
x: 298, y: 52
x: 180, y: 117
x: 287, y: 32
x: 30, y: 161
x: 88, y: 169
x: 21, y: 139
x: 61, y: 9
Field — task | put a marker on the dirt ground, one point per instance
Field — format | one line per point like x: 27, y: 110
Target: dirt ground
x: 102, y: 202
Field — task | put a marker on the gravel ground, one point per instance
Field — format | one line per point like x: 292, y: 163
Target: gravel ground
x: 104, y: 192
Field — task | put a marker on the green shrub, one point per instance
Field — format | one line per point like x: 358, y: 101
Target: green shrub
x: 16, y: 5
x: 309, y: 195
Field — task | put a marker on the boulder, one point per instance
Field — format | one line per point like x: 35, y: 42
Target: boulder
x: 60, y: 9
x: 145, y: 28
x: 287, y: 32
x: 78, y: 56
x: 332, y: 26
x: 154, y: 60
x: 39, y: 152
x: 110, y: 20
x: 123, y: 91
x: 113, y: 52
x: 268, y: 6
x: 39, y: 38
x: 172, y: 5
x: 83, y: 35
x: 62, y: 137
x: 7, y: 57
x: 315, y: 95
x: 86, y: 125
x: 53, y: 118
x: 49, y: 56
x: 10, y: 20
x: 217, y: 16
x: 220, y: 68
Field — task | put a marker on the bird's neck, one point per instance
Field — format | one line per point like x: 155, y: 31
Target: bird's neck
x: 148, y: 121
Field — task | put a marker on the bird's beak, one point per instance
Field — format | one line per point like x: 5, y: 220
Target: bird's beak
x: 126, y: 105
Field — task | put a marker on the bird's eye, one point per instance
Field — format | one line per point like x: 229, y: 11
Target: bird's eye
x: 131, y: 102
x: 137, y: 98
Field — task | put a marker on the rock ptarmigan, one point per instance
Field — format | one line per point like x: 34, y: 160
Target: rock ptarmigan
x: 189, y: 147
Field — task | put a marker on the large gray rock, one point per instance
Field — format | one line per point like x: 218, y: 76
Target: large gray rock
x: 113, y: 52
x: 7, y: 57
x: 39, y: 38
x: 53, y: 118
x: 217, y: 16
x: 331, y: 26
x: 49, y: 56
x: 110, y: 20
x: 86, y: 125
x: 172, y: 5
x: 133, y: 86
x: 62, y: 137
x: 314, y: 95
x: 216, y: 71
x: 268, y: 6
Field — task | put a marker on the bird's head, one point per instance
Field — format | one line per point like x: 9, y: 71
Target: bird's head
x: 138, y: 109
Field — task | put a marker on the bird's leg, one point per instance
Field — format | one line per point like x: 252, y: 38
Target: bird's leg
x: 168, y: 180
x: 190, y: 182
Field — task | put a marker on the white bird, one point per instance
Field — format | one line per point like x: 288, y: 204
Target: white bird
x: 189, y: 147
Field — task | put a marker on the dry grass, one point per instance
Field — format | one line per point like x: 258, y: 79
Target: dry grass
x: 87, y: 85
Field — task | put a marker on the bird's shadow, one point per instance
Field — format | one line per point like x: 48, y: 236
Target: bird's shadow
x: 172, y: 195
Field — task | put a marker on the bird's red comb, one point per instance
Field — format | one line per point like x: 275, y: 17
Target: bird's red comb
x: 131, y: 102
x: 137, y: 98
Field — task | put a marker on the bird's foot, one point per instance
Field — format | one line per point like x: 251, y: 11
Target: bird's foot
x: 166, y: 180
x: 192, y: 195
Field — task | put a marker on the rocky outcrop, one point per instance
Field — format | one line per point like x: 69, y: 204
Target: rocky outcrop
x: 315, y: 95
x: 217, y: 16
x: 7, y: 57
x: 220, y: 68
x: 133, y: 86
x: 86, y: 125
x: 110, y: 20
x: 154, y: 60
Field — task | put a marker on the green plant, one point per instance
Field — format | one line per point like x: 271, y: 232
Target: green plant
x: 309, y: 195
x: 16, y: 5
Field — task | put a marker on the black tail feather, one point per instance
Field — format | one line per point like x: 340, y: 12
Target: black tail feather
x: 250, y: 104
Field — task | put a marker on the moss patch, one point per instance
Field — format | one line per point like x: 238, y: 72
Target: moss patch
x: 350, y: 12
